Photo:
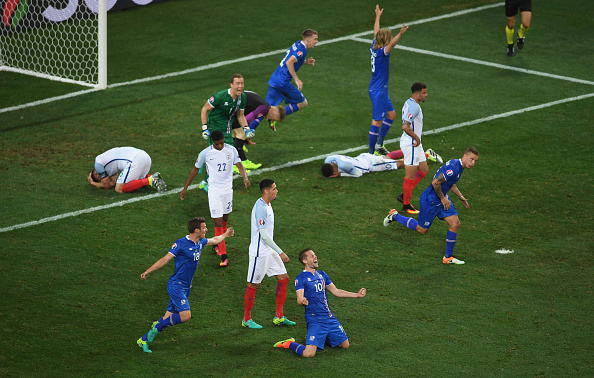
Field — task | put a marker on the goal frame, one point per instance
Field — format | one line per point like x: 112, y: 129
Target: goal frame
x: 101, y: 56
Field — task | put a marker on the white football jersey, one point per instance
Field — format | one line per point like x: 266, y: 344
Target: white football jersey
x: 115, y: 160
x: 219, y: 165
x: 412, y: 113
x: 262, y: 217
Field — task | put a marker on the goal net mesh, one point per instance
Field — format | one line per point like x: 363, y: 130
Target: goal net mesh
x: 54, y: 39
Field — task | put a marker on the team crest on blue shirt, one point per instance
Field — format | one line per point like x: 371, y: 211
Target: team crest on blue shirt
x: 449, y: 172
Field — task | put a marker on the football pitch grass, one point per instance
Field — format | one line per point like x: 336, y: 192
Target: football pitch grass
x: 72, y: 302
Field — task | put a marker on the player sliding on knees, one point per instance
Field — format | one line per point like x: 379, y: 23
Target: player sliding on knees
x: 312, y: 286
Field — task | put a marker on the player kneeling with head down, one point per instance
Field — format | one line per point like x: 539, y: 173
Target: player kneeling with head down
x: 322, y: 326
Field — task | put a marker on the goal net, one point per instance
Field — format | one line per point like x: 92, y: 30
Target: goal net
x: 64, y: 40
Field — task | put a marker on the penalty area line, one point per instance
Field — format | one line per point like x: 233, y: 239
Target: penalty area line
x: 296, y: 163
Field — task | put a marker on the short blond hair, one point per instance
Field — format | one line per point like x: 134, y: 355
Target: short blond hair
x: 382, y: 38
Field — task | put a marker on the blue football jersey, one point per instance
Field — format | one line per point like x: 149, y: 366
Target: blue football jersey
x: 281, y: 75
x: 314, y: 289
x: 380, y: 68
x: 187, y: 254
x: 452, y: 170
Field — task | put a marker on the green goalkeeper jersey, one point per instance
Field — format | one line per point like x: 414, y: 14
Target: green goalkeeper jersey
x: 224, y: 107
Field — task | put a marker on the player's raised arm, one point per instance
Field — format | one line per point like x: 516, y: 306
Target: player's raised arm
x: 345, y: 294
x: 158, y: 265
x: 378, y: 15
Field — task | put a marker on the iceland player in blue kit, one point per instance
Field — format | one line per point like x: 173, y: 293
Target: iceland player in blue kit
x: 186, y: 252
x: 383, y: 113
x: 280, y: 87
x: 322, y: 327
x: 436, y: 203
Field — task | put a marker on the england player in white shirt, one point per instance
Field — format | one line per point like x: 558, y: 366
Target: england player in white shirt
x: 219, y: 160
x: 127, y: 169
x: 266, y: 258
x: 415, y: 163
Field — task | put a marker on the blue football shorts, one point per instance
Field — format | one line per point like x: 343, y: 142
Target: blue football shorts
x: 381, y: 103
x: 178, y: 299
x: 289, y: 93
x: 430, y: 210
x: 329, y: 330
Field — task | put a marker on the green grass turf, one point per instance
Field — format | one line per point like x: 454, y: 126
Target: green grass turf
x: 73, y: 303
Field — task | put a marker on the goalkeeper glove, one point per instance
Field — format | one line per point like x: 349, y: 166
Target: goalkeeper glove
x: 249, y: 133
x: 205, y: 132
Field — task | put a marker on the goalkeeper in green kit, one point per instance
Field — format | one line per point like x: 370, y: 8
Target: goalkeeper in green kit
x: 217, y: 113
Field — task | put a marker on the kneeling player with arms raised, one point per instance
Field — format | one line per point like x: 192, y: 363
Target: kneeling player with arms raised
x: 322, y: 326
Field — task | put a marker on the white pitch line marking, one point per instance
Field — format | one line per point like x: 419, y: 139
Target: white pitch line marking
x: 294, y: 163
x: 482, y: 63
x: 232, y: 61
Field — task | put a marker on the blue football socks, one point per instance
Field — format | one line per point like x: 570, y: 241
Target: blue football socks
x: 297, y: 348
x: 290, y: 109
x: 373, y: 135
x: 386, y: 125
x: 405, y: 221
x: 450, y: 243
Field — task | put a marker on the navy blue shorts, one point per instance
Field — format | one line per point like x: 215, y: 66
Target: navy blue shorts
x: 381, y: 103
x: 329, y: 330
x: 178, y: 299
x: 429, y: 210
x: 289, y: 93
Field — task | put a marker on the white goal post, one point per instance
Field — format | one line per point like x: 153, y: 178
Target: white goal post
x: 63, y: 40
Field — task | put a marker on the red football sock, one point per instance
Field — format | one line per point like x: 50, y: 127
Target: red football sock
x: 281, y: 295
x: 406, y: 191
x: 250, y: 297
x: 396, y: 154
x: 418, y: 177
x: 222, y: 247
x: 133, y: 185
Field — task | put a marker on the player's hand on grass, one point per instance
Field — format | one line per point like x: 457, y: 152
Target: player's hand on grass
x: 362, y: 292
x: 182, y: 194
